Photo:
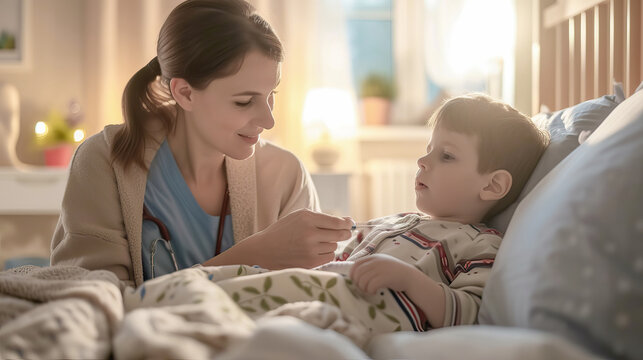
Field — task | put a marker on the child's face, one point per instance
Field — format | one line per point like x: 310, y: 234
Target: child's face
x: 448, y: 185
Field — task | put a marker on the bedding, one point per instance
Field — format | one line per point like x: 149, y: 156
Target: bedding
x: 567, y: 128
x: 70, y: 312
x: 571, y: 262
x: 326, y: 297
x: 475, y: 342
x: 58, y: 312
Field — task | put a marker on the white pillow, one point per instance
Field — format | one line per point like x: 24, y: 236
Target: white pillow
x: 571, y: 262
x: 564, y: 127
x: 474, y: 342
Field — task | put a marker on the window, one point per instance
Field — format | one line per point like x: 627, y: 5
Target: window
x: 370, y: 36
x: 397, y: 39
x: 379, y: 45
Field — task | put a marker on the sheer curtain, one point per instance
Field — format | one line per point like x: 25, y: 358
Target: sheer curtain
x: 313, y: 33
x: 410, y: 73
x: 120, y: 37
x: 469, y: 42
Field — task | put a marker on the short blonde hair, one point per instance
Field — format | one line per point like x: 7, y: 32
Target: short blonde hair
x: 508, y: 139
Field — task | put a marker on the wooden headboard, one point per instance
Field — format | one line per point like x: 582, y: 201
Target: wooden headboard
x: 580, y: 47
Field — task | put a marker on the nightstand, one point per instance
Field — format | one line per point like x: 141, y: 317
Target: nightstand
x: 333, y: 191
x: 32, y: 190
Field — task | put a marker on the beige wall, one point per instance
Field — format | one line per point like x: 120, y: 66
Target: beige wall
x: 54, y: 76
x: 84, y: 50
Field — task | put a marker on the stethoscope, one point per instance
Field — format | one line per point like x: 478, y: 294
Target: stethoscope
x: 165, y: 234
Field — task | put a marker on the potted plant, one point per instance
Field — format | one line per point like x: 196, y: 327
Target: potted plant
x: 58, y: 134
x: 376, y: 93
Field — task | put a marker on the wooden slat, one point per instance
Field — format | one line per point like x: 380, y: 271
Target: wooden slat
x: 587, y: 55
x: 545, y: 38
x: 566, y: 9
x: 632, y: 45
x: 595, y: 42
x: 536, y: 58
x: 617, y: 41
x: 548, y: 68
x: 574, y: 60
x: 562, y: 66
x: 571, y: 30
x: 601, y: 46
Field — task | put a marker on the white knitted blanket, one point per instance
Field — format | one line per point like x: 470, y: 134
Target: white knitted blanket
x: 58, y: 312
x: 72, y: 313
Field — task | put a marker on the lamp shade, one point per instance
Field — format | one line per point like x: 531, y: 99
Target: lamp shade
x: 329, y: 111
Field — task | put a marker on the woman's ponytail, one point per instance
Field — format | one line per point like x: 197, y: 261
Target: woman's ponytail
x: 140, y: 103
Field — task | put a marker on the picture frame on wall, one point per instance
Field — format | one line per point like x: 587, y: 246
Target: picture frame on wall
x: 14, y: 34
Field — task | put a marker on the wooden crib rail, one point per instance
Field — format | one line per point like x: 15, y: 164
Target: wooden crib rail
x: 580, y: 47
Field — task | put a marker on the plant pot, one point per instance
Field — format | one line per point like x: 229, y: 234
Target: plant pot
x: 376, y: 110
x: 58, y: 156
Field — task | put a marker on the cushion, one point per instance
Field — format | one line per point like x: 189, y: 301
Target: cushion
x: 474, y: 342
x: 564, y: 127
x: 571, y: 262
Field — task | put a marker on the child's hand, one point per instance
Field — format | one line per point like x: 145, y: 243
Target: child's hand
x: 378, y: 271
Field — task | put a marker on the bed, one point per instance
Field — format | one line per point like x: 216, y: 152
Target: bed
x: 567, y: 282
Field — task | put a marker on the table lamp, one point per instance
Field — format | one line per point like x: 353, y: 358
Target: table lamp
x: 329, y: 115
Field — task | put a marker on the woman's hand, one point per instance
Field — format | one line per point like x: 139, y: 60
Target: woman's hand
x: 379, y: 271
x: 303, y: 238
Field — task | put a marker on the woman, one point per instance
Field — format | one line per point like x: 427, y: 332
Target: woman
x: 186, y: 180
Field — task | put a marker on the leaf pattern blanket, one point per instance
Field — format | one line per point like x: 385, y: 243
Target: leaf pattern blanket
x: 203, y: 312
x: 457, y: 256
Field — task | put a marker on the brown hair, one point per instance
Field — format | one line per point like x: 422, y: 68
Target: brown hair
x: 507, y: 139
x: 201, y: 40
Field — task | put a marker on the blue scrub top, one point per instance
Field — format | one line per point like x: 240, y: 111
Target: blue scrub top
x: 193, y: 232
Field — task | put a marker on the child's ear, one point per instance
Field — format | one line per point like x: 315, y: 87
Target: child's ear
x: 182, y: 93
x: 499, y: 184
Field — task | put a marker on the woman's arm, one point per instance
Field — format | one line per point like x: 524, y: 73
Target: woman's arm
x: 303, y: 238
x: 90, y: 231
x: 290, y: 230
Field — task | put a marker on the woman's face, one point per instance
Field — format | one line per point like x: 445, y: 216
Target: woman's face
x: 230, y: 113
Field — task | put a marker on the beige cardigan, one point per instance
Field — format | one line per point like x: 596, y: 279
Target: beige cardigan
x: 100, y: 224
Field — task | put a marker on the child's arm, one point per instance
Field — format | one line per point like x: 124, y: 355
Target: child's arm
x: 465, y: 268
x: 383, y: 271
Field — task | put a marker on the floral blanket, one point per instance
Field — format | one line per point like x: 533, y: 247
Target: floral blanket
x: 240, y: 294
x: 206, y: 312
x: 324, y: 297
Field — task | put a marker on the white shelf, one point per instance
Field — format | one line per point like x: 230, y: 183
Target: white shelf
x: 393, y: 133
x: 32, y: 190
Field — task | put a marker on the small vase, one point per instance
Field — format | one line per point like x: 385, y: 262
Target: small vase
x: 377, y: 111
x: 59, y: 156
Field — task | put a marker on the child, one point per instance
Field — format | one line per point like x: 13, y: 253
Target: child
x: 479, y: 157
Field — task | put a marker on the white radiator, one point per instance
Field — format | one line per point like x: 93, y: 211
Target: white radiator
x: 391, y: 186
